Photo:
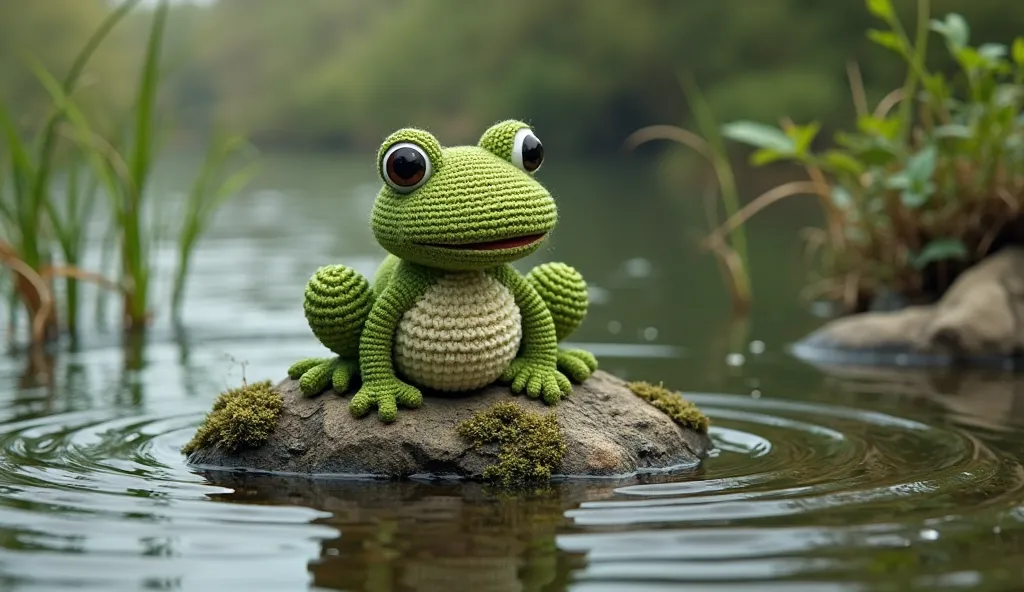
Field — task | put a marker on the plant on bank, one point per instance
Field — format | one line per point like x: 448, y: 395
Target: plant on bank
x: 40, y: 220
x: 927, y: 184
x: 730, y: 251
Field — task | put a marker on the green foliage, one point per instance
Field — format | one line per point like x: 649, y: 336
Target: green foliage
x: 683, y: 412
x: 918, y: 190
x: 39, y: 219
x: 530, y: 443
x: 241, y: 417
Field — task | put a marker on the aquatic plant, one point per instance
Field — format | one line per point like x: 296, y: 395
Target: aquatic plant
x: 530, y: 443
x: 242, y: 417
x: 40, y: 221
x: 672, y: 404
x: 731, y: 251
x: 26, y: 199
x: 928, y: 183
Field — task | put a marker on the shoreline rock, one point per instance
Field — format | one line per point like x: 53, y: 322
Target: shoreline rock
x: 979, y: 321
x: 607, y: 431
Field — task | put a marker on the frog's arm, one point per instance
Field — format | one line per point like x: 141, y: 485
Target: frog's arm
x: 381, y: 387
x: 535, y: 370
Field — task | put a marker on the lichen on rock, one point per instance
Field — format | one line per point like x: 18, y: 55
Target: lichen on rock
x: 242, y: 417
x: 682, y: 411
x: 530, y: 443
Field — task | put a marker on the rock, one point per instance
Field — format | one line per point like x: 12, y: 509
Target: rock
x: 607, y: 430
x: 977, y: 322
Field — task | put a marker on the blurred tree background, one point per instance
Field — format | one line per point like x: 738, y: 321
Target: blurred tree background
x: 340, y: 74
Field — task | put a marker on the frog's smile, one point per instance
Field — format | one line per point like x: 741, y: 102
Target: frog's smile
x: 496, y: 245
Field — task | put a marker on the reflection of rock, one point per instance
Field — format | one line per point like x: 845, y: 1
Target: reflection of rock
x: 419, y: 536
x: 977, y: 321
x: 607, y: 430
x: 992, y: 399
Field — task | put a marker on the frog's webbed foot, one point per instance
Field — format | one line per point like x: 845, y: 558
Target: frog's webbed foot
x: 577, y: 364
x: 316, y: 375
x: 386, y: 395
x: 537, y: 379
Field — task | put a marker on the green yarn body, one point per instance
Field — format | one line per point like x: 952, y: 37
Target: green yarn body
x: 447, y: 291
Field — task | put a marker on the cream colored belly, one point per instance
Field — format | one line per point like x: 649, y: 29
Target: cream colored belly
x: 461, y: 335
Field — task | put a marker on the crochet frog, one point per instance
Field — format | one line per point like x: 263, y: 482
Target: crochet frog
x: 446, y: 310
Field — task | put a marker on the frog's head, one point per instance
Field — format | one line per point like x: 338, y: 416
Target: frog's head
x: 464, y: 207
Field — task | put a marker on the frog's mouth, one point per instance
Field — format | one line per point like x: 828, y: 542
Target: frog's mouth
x: 505, y: 243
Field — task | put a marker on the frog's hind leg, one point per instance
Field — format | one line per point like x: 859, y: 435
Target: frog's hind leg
x: 337, y: 304
x: 565, y: 293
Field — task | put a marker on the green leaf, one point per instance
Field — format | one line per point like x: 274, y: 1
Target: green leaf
x: 886, y: 39
x: 921, y: 166
x: 882, y: 9
x: 898, y: 181
x: 802, y: 136
x: 841, y: 197
x: 759, y: 135
x: 992, y: 51
x: 886, y: 128
x: 839, y: 161
x: 1018, y: 51
x: 952, y: 130
x: 765, y: 156
x: 954, y: 29
x: 939, y: 250
x: 914, y: 199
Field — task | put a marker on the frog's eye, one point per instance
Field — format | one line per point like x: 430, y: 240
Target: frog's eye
x: 527, y: 151
x: 406, y: 167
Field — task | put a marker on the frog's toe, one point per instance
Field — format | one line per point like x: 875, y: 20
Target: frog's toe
x: 296, y: 370
x: 409, y: 396
x: 344, y: 371
x: 577, y: 364
x: 317, y: 379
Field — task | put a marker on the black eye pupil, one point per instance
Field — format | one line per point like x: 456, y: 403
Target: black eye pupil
x: 533, y: 153
x: 406, y: 166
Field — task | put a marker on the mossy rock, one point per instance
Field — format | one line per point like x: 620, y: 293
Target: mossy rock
x: 605, y: 429
x: 242, y: 417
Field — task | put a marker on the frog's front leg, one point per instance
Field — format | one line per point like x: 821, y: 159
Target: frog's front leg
x: 381, y: 387
x: 536, y: 368
x: 336, y: 304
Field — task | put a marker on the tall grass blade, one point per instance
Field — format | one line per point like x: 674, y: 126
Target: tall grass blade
x: 203, y: 202
x: 134, y: 252
x: 709, y: 128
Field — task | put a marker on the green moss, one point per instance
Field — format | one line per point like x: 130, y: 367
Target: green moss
x: 673, y: 404
x: 530, y: 443
x: 241, y: 418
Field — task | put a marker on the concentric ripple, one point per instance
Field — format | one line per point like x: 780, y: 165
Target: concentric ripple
x: 815, y: 496
x: 94, y: 494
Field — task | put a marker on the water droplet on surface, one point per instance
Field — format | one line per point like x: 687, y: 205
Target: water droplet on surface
x: 756, y: 394
x: 735, y: 359
x: 614, y: 327
x: 650, y: 333
x: 757, y: 347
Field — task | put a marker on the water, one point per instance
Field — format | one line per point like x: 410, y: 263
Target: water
x: 822, y: 480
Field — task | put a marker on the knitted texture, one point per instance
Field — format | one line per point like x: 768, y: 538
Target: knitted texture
x: 337, y: 303
x: 446, y: 310
x: 421, y: 138
x: 472, y: 196
x: 461, y: 335
x: 498, y: 138
x: 564, y: 293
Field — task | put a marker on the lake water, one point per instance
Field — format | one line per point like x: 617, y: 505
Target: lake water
x: 821, y: 480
